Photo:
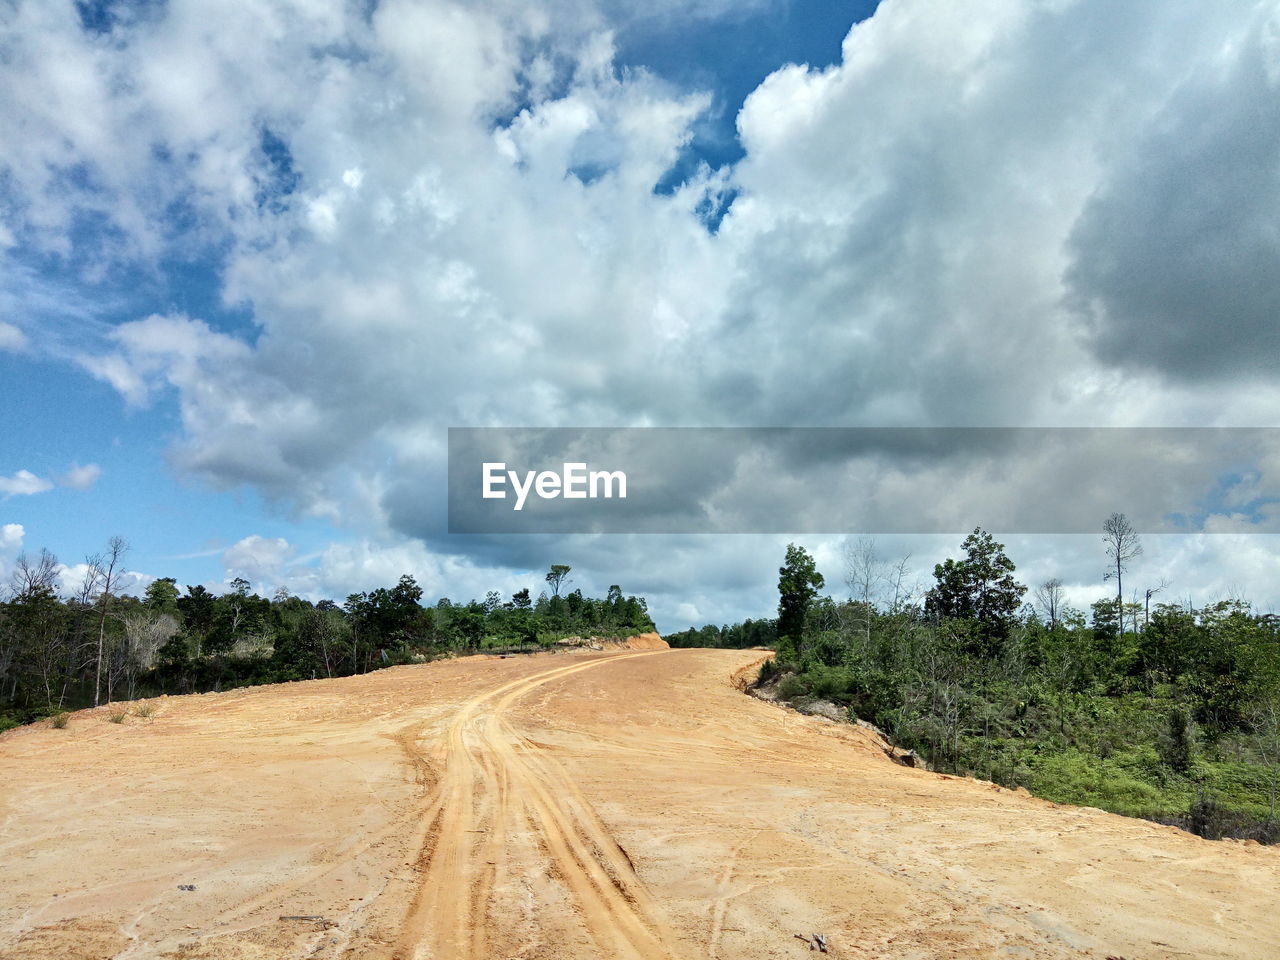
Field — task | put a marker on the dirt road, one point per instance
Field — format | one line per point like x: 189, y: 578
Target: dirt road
x: 580, y: 805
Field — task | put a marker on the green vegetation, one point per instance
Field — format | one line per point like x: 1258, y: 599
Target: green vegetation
x: 97, y: 646
x: 1163, y: 711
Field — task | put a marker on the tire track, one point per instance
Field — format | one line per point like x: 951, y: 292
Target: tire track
x: 495, y: 778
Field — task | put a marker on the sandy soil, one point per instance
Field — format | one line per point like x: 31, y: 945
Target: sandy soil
x: 629, y: 804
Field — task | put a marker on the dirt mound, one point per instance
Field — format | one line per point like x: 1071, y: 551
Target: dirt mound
x: 644, y: 641
x: 641, y: 641
x: 628, y: 805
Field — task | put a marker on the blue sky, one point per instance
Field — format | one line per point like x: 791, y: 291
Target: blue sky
x: 252, y: 275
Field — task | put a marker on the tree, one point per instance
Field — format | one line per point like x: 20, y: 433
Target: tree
x: 109, y: 577
x: 558, y: 576
x: 798, y: 583
x: 1151, y: 592
x: 37, y: 634
x: 30, y: 578
x: 198, y: 611
x: 162, y: 595
x: 863, y: 573
x: 1049, y: 600
x: 980, y: 587
x: 1122, y: 546
x: 145, y: 633
x: 520, y: 599
x: 1263, y: 718
x: 385, y: 617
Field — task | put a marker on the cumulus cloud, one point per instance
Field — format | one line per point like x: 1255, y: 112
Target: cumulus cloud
x: 987, y: 212
x: 24, y: 483
x: 81, y: 478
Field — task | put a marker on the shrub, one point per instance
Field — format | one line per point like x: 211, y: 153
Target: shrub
x: 59, y: 720
x: 791, y: 687
x: 832, y: 683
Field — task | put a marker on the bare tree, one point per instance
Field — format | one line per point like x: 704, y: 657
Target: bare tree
x: 32, y: 577
x: 36, y: 635
x: 1151, y: 592
x: 1264, y: 717
x: 1049, y: 600
x: 898, y: 593
x: 144, y: 633
x: 111, y: 573
x: 1122, y: 546
x: 864, y: 571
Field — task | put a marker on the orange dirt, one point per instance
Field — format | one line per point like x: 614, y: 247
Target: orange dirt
x: 627, y: 804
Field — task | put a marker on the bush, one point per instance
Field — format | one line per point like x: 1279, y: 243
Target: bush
x: 832, y: 683
x: 768, y: 670
x: 59, y: 720
x: 1080, y: 778
x: 791, y: 687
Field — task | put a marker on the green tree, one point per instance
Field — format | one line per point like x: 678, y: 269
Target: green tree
x: 980, y: 587
x: 162, y: 596
x: 198, y: 612
x: 798, y: 583
x: 558, y: 576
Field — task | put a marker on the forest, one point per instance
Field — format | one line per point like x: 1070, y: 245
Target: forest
x: 99, y: 645
x: 1140, y: 707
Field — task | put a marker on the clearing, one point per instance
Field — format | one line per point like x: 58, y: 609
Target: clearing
x: 629, y: 804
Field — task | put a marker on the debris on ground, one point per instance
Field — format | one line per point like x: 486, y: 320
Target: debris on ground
x: 816, y: 941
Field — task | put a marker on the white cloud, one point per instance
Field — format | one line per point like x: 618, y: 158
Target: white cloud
x: 934, y: 230
x: 24, y: 483
x: 81, y: 478
x: 11, y: 535
x: 11, y: 338
x: 260, y: 560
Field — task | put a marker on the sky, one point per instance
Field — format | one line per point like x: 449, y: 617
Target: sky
x: 257, y: 257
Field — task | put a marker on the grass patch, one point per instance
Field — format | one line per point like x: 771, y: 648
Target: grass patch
x: 117, y: 716
x: 144, y: 710
x: 59, y: 720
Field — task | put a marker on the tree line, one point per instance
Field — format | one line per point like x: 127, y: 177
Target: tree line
x: 1141, y: 707
x: 94, y: 644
